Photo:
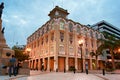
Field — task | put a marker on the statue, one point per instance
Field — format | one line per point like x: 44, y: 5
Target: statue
x: 1, y: 9
x: 3, y: 30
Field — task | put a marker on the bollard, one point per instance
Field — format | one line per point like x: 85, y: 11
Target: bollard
x: 74, y: 70
x: 103, y: 71
x: 64, y: 70
x: 86, y: 71
x: 56, y: 70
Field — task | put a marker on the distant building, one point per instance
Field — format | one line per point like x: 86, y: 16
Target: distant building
x: 104, y: 26
x: 56, y: 44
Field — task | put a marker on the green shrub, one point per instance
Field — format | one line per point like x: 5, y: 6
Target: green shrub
x: 71, y: 68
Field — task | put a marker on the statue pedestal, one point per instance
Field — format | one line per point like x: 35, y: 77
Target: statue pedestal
x: 5, y: 52
x: 3, y: 62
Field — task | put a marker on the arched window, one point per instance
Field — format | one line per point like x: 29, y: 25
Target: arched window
x: 61, y: 36
x: 71, y: 38
x: 62, y: 25
x: 46, y: 39
x: 101, y: 36
x: 52, y: 25
x: 91, y: 33
x: 96, y: 36
x: 78, y: 29
x: 52, y: 36
x: 47, y: 28
x: 42, y: 31
x: 70, y: 27
x: 85, y: 31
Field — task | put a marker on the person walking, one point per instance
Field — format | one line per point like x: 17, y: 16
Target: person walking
x: 86, y: 66
x: 12, y: 66
x: 42, y: 68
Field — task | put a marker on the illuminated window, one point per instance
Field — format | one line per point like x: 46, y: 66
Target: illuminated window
x: 70, y: 27
x: 42, y: 31
x: 78, y: 29
x: 52, y: 25
x: 91, y: 33
x: 61, y: 36
x: 52, y: 36
x: 62, y: 25
x: 71, y: 38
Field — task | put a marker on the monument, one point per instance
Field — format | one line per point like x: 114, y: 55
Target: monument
x: 5, y: 51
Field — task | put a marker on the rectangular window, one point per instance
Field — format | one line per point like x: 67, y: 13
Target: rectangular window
x: 86, y: 51
x: 71, y: 38
x: 52, y: 36
x: 61, y: 36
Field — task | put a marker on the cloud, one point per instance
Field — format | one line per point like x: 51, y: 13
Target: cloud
x: 19, y: 15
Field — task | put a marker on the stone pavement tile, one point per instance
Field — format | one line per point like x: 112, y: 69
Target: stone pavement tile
x: 110, y: 76
x: 6, y: 77
x: 62, y: 76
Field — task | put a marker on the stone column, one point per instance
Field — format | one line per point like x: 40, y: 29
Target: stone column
x: 48, y: 65
x: 83, y: 64
x: 90, y: 64
x: 66, y: 63
x: 55, y: 63
x: 35, y: 64
x: 43, y: 60
x: 38, y: 64
x: 66, y: 46
x: 76, y: 65
x: 31, y: 65
x: 56, y: 51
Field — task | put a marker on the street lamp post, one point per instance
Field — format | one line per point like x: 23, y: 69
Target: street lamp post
x: 28, y: 50
x: 80, y: 45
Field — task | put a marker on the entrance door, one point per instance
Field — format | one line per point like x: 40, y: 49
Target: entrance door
x: 61, y: 63
x: 52, y: 63
x: 71, y: 62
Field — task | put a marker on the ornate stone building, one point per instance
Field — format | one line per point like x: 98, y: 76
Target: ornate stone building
x: 56, y: 44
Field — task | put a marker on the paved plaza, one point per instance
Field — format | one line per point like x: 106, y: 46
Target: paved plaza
x: 62, y: 76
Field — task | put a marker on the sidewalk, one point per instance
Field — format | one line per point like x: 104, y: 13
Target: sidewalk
x: 6, y: 77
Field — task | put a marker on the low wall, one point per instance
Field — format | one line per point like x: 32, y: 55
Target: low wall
x: 25, y: 69
x: 3, y: 62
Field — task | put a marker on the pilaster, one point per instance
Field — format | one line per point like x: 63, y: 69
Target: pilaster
x: 48, y: 64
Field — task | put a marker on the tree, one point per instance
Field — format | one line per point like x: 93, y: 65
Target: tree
x: 96, y: 54
x: 110, y: 42
x: 19, y: 54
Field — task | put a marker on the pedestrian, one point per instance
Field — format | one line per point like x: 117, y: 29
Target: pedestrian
x: 12, y: 66
x: 42, y: 68
x: 17, y: 68
x: 74, y: 70
x: 103, y: 72
x: 86, y: 66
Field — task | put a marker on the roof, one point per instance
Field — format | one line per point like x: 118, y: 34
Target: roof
x: 106, y: 23
x: 58, y: 8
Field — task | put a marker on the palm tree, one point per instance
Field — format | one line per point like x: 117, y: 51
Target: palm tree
x: 96, y: 54
x: 110, y: 42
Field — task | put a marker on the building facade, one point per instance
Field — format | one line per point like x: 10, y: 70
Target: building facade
x: 104, y: 26
x: 55, y: 44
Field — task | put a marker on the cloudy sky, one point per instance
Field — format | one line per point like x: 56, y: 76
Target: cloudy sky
x: 22, y: 17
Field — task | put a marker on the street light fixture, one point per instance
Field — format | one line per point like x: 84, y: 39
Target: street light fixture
x: 119, y: 50
x: 80, y: 46
x: 28, y: 49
